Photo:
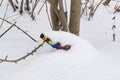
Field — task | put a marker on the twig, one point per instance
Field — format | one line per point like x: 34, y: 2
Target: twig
x: 32, y: 16
x: 48, y: 16
x: 97, y: 6
x: 7, y: 30
x: 4, y: 16
x: 93, y: 10
x: 42, y: 6
x: 20, y: 29
x: 84, y: 8
x: 23, y: 57
x: 13, y: 5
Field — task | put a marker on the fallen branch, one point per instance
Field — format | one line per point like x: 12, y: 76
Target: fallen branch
x: 19, y: 29
x: 23, y: 57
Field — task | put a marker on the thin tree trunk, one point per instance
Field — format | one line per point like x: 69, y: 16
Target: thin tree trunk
x: 54, y: 17
x: 63, y: 17
x: 34, y: 6
x: 27, y: 5
x: 74, y: 25
x: 21, y: 7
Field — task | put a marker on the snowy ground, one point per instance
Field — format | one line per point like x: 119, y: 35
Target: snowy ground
x: 93, y: 55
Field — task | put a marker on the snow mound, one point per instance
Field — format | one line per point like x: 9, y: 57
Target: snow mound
x: 79, y: 47
x: 51, y: 64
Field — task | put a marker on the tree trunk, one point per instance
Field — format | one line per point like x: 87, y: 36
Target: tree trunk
x: 63, y: 20
x: 58, y: 17
x: 54, y: 17
x: 74, y: 25
x: 27, y: 5
x: 21, y: 7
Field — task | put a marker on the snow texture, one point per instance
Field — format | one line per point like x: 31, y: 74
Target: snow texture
x: 93, y: 55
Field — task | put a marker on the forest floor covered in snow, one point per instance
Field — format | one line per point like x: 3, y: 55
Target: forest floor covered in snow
x: 93, y: 55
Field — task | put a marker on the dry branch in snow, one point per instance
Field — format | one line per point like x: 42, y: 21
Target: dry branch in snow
x: 23, y: 57
x: 19, y: 29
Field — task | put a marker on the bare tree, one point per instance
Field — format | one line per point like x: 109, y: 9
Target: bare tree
x: 59, y: 20
x: 58, y: 17
x: 54, y: 17
x: 74, y: 25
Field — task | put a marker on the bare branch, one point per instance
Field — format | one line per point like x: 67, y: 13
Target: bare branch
x: 93, y: 10
x: 19, y: 29
x: 13, y: 5
x: 7, y: 29
x: 97, y: 6
x: 84, y: 8
x: 48, y: 16
x: 32, y: 13
x: 23, y: 57
x: 42, y: 6
x: 4, y: 16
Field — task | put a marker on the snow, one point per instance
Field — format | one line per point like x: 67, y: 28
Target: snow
x: 55, y: 64
x: 93, y: 55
